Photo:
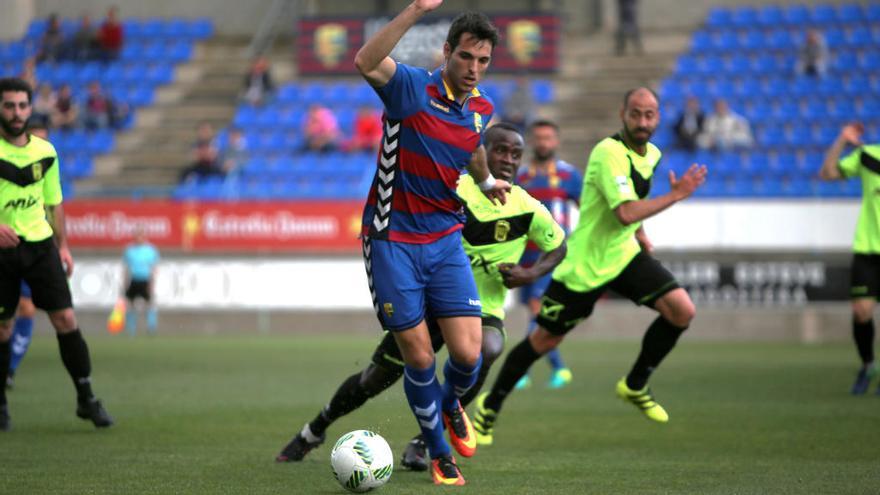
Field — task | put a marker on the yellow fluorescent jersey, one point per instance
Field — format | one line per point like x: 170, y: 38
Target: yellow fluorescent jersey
x: 495, y: 233
x: 29, y: 181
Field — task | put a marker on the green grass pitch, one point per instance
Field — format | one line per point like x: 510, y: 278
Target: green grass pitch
x: 202, y: 414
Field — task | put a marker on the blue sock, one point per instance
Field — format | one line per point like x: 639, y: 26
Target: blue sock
x: 21, y: 340
x: 131, y: 318
x: 459, y: 379
x: 152, y: 319
x: 424, y: 395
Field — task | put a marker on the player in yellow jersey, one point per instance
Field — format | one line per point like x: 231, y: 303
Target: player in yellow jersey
x: 33, y: 247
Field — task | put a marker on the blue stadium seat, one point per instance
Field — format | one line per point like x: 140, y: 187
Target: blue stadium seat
x: 770, y: 16
x: 829, y: 86
x: 542, y: 91
x: 843, y: 108
x: 201, y: 28
x: 780, y: 39
x: 685, y: 65
x: 719, y: 17
x: 814, y: 108
x: 835, y: 38
x: 752, y: 40
x: 869, y: 110
x: 701, y: 42
x: 823, y: 14
x: 744, y: 17
x: 765, y: 64
x: 844, y: 61
x: 872, y: 12
x: 859, y: 37
x: 287, y: 93
x: 850, y: 13
x: 796, y: 15
x: 739, y: 64
x: 771, y: 136
x: 245, y: 117
x: 870, y: 61
x: 725, y: 41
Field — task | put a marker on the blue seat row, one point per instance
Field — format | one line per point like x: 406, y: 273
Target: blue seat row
x: 765, y: 63
x: 114, y: 73
x: 153, y: 51
x: 176, y: 27
x: 850, y: 38
x: 236, y: 189
x: 794, y: 15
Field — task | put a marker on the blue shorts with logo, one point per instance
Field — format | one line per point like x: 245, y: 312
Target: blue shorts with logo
x: 408, y: 281
x: 535, y: 290
x: 25, y: 290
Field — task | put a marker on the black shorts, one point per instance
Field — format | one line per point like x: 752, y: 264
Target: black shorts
x: 138, y: 289
x: 643, y: 281
x: 38, y: 264
x: 865, y: 276
x: 388, y: 355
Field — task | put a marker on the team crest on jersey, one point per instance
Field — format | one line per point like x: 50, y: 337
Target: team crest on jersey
x: 478, y: 122
x: 389, y: 309
x: 37, y: 170
x: 502, y: 228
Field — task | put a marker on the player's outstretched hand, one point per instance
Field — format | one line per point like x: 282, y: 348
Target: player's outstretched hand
x: 427, y: 5
x: 515, y: 275
x: 689, y: 182
x: 498, y: 192
x: 8, y: 237
x: 852, y: 133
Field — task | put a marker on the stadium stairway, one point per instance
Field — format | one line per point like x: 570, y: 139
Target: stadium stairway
x: 160, y: 144
x: 592, y: 81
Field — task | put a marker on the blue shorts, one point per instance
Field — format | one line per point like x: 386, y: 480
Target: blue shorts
x: 408, y: 281
x: 25, y: 290
x: 534, y: 290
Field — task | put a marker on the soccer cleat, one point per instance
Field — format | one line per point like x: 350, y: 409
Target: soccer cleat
x: 298, y: 448
x: 559, y: 378
x: 461, y: 433
x: 523, y: 383
x: 5, y: 422
x: 446, y: 472
x: 863, y: 379
x: 94, y: 411
x: 415, y: 455
x: 643, y: 400
x: 484, y: 421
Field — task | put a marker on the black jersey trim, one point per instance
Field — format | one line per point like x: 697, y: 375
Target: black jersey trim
x: 641, y: 185
x: 870, y: 163
x: 27, y: 175
x: 479, y: 233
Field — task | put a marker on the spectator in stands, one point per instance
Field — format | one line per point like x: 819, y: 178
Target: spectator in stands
x: 813, y: 59
x: 29, y: 72
x: 367, y: 130
x: 101, y: 111
x: 66, y: 110
x: 519, y: 106
x: 321, y: 129
x: 689, y: 125
x: 725, y: 129
x: 85, y: 40
x: 43, y: 106
x: 110, y: 36
x: 52, y: 42
x: 205, y: 164
x: 205, y: 135
x: 234, y: 153
x: 258, y: 85
x: 628, y: 26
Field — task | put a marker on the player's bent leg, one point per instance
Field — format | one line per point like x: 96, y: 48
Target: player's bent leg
x: 463, y: 336
x: 863, y: 335
x: 75, y: 356
x: 22, y: 333
x: 5, y: 355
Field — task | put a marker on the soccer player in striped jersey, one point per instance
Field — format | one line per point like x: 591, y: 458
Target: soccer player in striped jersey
x: 494, y: 239
x: 557, y: 184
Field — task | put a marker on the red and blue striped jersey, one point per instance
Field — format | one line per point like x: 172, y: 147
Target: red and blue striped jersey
x: 428, y: 139
x: 555, y: 186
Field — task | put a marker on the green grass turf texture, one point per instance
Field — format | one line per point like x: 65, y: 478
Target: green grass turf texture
x: 202, y: 414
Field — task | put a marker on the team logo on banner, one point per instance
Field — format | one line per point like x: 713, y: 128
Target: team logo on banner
x: 331, y: 43
x: 524, y: 40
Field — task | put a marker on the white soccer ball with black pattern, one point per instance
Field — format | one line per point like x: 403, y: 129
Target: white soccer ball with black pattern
x: 361, y: 461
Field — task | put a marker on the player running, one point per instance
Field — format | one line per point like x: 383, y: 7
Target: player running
x: 433, y: 125
x: 33, y: 247
x: 863, y: 162
x: 494, y: 239
x: 609, y: 250
x: 557, y: 184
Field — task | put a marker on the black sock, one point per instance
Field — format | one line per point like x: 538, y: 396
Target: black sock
x: 472, y: 392
x: 75, y: 356
x: 515, y: 366
x: 659, y: 340
x: 5, y: 357
x: 863, y: 333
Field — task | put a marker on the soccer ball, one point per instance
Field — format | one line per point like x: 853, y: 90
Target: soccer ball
x: 361, y: 461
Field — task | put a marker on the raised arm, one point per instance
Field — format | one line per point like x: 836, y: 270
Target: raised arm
x: 372, y: 60
x: 635, y: 211
x: 478, y: 168
x: 851, y: 134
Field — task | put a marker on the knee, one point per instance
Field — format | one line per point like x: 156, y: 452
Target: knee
x: 493, y: 345
x: 863, y: 311
x: 26, y: 309
x: 64, y: 321
x: 543, y: 341
x: 680, y: 312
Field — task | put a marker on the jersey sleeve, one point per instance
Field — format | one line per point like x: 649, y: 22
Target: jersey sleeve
x: 403, y: 92
x: 52, y: 185
x: 544, y: 231
x: 611, y: 177
x: 850, y: 164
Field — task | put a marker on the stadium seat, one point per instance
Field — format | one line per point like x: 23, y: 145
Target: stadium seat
x: 744, y: 17
x: 719, y: 17
x: 823, y: 14
x: 850, y: 13
x: 796, y: 15
x: 770, y: 16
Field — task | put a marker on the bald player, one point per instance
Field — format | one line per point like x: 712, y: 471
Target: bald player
x: 609, y: 250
